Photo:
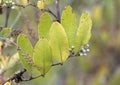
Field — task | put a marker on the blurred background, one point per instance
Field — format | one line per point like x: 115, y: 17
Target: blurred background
x: 101, y: 66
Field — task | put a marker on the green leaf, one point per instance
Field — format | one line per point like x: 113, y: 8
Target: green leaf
x: 5, y: 32
x: 26, y: 51
x: 42, y: 55
x: 83, y: 32
x: 59, y: 42
x: 44, y: 25
x: 68, y: 20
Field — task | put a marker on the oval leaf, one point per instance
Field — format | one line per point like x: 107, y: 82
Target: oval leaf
x: 59, y: 42
x: 44, y: 25
x: 69, y: 23
x: 26, y: 51
x: 84, y: 31
x: 42, y: 55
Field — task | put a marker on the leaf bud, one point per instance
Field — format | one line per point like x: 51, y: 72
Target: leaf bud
x: 40, y: 4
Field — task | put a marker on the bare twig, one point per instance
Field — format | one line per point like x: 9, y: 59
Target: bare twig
x: 32, y: 78
x: 7, y: 15
x: 34, y: 5
x: 16, y: 76
x: 57, y: 10
x: 24, y: 6
x: 49, y: 11
x: 1, y: 9
x: 57, y: 64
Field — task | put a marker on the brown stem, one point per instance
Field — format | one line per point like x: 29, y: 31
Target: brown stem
x: 1, y: 10
x: 46, y: 10
x: 58, y: 10
x: 15, y: 76
x: 7, y: 16
x: 49, y: 11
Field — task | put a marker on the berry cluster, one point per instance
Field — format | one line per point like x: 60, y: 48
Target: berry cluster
x: 82, y: 52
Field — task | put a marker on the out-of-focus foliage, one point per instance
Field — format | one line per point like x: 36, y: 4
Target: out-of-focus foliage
x: 108, y: 8
x: 97, y: 16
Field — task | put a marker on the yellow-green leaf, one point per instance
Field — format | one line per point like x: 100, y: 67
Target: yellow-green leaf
x: 44, y: 25
x: 26, y: 51
x: 68, y: 20
x: 59, y: 42
x: 83, y: 32
x: 42, y: 55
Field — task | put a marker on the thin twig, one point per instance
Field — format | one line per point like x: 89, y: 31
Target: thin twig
x: 34, y: 5
x: 58, y: 10
x: 32, y: 78
x: 19, y: 5
x: 7, y: 15
x: 14, y: 77
x: 18, y: 77
x: 57, y: 64
x: 1, y: 9
x: 24, y: 6
x: 49, y: 11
